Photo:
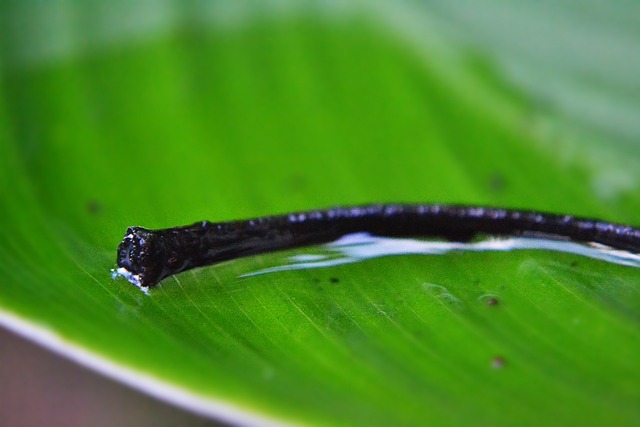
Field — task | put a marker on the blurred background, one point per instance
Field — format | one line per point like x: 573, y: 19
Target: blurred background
x: 169, y: 110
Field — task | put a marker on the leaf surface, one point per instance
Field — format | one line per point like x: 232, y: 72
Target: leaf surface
x: 195, y: 120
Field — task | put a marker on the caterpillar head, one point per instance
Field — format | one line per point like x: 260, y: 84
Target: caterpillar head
x: 141, y: 257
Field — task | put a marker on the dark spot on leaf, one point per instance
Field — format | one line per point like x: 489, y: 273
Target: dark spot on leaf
x: 490, y: 300
x: 574, y: 264
x: 93, y: 207
x: 334, y: 280
x: 498, y: 362
x: 297, y: 183
x: 497, y: 183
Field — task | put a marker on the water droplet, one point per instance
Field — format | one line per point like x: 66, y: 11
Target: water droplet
x: 434, y: 289
x: 442, y: 294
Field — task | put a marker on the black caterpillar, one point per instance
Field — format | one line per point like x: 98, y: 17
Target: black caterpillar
x: 148, y: 256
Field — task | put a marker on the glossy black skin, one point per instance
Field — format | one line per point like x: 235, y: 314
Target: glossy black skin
x: 157, y: 254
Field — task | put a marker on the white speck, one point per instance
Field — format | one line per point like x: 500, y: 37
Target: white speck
x: 476, y: 212
x: 134, y: 279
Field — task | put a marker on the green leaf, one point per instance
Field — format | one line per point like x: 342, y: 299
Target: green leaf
x: 112, y: 116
